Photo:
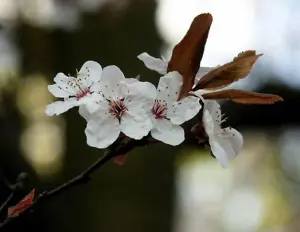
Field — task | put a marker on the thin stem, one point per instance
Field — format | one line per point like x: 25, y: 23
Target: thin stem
x: 77, y: 180
x: 8, y: 185
x: 82, y: 176
x: 122, y: 147
x: 5, y: 204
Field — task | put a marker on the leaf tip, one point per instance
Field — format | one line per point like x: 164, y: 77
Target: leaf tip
x: 278, y: 98
x: 207, y: 15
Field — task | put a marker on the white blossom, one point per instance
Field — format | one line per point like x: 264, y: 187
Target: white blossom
x: 123, y: 106
x: 226, y: 143
x: 161, y: 66
x: 168, y: 114
x: 75, y: 91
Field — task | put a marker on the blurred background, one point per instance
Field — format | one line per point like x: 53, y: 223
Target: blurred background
x: 161, y: 188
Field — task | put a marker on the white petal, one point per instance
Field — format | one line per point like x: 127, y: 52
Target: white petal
x: 83, y: 112
x: 144, y: 89
x: 62, y: 78
x: 235, y: 139
x: 141, y: 94
x: 220, y: 151
x: 169, y: 87
x: 183, y: 110
x: 110, y: 82
x: 214, y: 110
x: 102, y: 131
x: 201, y: 72
x: 136, y: 123
x: 152, y: 63
x: 57, y: 91
x: 65, y: 83
x: 169, y: 133
x: 226, y: 145
x: 131, y: 80
x: 96, y: 88
x: 92, y: 71
x: 163, y: 124
x: 208, y: 123
x: 92, y: 107
x: 89, y: 106
x: 92, y: 102
x: 60, y: 107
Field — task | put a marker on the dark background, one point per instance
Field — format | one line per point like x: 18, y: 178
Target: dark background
x: 141, y: 195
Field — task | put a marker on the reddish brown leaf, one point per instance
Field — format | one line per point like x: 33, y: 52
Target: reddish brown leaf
x: 228, y: 73
x: 14, y: 211
x: 244, y: 97
x: 120, y: 159
x: 245, y: 54
x: 187, y: 54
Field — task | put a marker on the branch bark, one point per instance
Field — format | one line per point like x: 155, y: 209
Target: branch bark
x: 122, y: 147
x: 5, y: 203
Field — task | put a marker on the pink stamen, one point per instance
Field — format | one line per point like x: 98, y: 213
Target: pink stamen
x: 82, y: 93
x: 159, y: 110
x: 117, y: 108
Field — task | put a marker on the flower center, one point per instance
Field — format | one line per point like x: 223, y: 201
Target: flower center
x: 159, y: 110
x: 82, y: 93
x: 117, y: 108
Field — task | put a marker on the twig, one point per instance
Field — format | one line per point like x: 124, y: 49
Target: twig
x: 9, y: 186
x: 67, y: 185
x: 81, y: 178
x: 5, y: 204
x: 124, y: 146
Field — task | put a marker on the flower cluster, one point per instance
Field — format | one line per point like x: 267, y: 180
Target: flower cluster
x: 114, y: 106
x: 225, y: 143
